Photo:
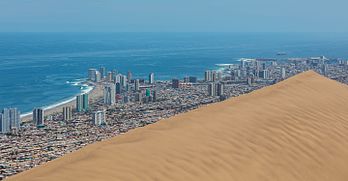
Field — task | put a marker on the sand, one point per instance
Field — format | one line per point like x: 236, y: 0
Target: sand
x: 294, y: 130
x: 94, y: 95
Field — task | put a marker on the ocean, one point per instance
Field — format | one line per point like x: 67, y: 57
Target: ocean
x: 42, y: 69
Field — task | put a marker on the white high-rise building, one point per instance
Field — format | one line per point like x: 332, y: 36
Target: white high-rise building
x: 118, y: 78
x: 219, y: 89
x: 109, y: 77
x: 15, y: 119
x: 208, y: 76
x: 67, y: 113
x: 211, y: 89
x: 98, y: 76
x: 214, y: 76
x: 242, y: 63
x: 136, y: 85
x: 92, y: 74
x: 237, y: 73
x: 151, y: 78
x: 265, y: 74
x: 219, y: 76
x: 38, y: 116
x: 110, y: 94
x: 9, y: 120
x: 123, y: 80
x: 99, y: 118
x: 5, y: 122
x: 283, y: 73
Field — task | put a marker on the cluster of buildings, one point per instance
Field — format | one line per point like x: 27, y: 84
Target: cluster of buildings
x: 10, y: 120
x: 128, y: 103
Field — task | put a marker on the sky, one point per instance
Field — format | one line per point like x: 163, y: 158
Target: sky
x: 173, y: 16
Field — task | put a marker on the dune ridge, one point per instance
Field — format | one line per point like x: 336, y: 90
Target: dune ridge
x: 294, y: 130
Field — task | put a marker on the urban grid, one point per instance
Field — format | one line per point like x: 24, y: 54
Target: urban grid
x: 129, y: 103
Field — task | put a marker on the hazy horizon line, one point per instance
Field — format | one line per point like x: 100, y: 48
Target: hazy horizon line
x: 316, y: 32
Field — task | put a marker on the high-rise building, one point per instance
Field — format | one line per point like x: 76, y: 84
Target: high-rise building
x: 238, y: 73
x: 118, y: 88
x: 175, y: 83
x: 123, y: 80
x: 110, y: 94
x: 82, y: 103
x: 324, y: 69
x: 85, y: 105
x: 242, y: 63
x: 127, y: 87
x: 109, y: 77
x: 257, y: 65
x: 5, y: 122
x: 98, y: 77
x: 15, y: 119
x: 243, y: 73
x: 10, y: 120
x: 118, y: 78
x: 102, y: 71
x: 219, y: 76
x: 264, y: 66
x: 79, y: 103
x: 211, y: 89
x: 264, y: 74
x: 151, y: 78
x: 67, y: 113
x: 283, y: 73
x: 38, y: 116
x: 148, y: 93
x: 154, y: 96
x: 219, y: 89
x: 99, y: 118
x: 92, y: 74
x: 2, y: 124
x: 208, y: 76
x: 136, y: 85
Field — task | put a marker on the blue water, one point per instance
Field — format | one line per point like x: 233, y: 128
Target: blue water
x: 35, y: 67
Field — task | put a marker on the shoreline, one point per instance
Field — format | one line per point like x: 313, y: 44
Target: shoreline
x: 92, y: 90
x: 182, y: 130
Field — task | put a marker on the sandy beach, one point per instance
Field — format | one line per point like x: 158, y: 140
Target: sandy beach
x: 94, y: 94
x: 294, y: 130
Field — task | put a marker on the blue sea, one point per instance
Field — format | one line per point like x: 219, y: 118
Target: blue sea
x: 41, y: 69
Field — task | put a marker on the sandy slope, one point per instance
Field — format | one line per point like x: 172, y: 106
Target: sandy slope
x: 295, y: 130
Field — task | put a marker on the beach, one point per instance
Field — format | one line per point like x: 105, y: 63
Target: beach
x: 293, y: 130
x: 95, y: 92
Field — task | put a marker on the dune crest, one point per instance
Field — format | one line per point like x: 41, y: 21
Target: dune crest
x: 294, y: 130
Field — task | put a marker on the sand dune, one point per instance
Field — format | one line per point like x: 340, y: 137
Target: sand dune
x: 294, y: 130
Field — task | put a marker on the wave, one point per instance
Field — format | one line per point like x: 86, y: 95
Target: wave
x: 85, y: 89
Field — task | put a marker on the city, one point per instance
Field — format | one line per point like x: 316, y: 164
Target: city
x: 127, y: 103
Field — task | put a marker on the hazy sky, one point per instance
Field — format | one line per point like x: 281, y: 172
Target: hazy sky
x: 174, y: 15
